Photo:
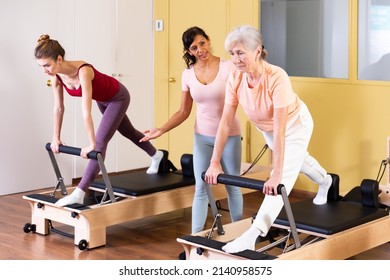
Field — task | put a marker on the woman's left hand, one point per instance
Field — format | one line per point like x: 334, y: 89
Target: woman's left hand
x: 271, y: 186
x: 86, y: 150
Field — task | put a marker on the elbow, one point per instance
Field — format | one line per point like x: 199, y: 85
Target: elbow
x: 225, y: 124
x: 184, y: 114
x: 59, y: 110
x: 186, y: 111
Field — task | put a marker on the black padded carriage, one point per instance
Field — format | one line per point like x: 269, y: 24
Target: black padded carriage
x: 330, y: 218
x: 357, y: 207
x: 139, y: 183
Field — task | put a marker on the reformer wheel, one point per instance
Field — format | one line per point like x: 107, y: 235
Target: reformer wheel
x: 83, y: 244
x: 199, y: 251
x: 29, y: 228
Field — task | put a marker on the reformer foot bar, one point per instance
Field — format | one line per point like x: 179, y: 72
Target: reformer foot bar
x: 76, y: 152
x: 338, y: 229
x: 114, y: 199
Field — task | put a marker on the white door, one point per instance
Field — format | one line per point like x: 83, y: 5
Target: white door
x: 117, y: 38
x: 26, y: 111
x: 134, y: 63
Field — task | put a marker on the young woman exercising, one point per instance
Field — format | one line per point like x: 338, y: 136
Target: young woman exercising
x: 81, y: 79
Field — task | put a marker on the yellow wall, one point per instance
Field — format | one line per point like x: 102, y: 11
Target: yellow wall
x: 352, y: 118
x: 351, y: 127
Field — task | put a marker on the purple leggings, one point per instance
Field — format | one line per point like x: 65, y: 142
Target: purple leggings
x: 114, y: 118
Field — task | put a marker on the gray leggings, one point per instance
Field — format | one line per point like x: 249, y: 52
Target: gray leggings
x: 114, y: 119
x: 231, y: 164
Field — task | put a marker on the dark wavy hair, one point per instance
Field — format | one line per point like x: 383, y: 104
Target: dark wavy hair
x: 188, y: 38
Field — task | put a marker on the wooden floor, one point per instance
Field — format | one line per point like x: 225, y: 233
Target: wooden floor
x: 152, y: 238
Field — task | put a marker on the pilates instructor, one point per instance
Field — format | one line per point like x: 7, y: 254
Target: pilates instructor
x: 81, y: 79
x: 204, y: 82
x: 265, y: 93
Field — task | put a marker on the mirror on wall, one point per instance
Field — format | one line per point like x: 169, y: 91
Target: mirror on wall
x: 308, y: 38
x: 374, y: 40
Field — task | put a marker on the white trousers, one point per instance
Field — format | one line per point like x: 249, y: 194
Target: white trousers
x: 296, y: 160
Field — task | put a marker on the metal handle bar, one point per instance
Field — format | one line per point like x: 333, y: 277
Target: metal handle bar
x: 73, y: 151
x: 239, y: 181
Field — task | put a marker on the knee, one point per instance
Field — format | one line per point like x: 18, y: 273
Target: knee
x: 200, y: 193
x: 233, y: 191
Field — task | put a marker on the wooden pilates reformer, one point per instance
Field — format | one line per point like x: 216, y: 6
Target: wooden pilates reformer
x: 340, y: 229
x: 115, y: 199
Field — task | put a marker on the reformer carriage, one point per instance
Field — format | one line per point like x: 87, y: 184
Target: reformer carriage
x: 341, y: 228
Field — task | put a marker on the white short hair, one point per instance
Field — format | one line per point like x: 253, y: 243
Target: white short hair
x: 246, y: 35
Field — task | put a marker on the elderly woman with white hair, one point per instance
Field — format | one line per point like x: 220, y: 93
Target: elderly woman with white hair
x: 265, y: 93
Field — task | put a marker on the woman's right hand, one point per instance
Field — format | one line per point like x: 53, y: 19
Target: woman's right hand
x: 212, y: 173
x: 151, y: 134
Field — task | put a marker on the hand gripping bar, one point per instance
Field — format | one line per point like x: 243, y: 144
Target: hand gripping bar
x: 243, y: 182
x: 91, y: 155
x: 74, y: 151
x: 254, y: 184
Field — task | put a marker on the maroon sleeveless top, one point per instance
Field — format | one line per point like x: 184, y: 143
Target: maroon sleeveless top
x: 104, y: 87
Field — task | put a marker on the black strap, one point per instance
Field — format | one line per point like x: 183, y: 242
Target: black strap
x: 172, y: 167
